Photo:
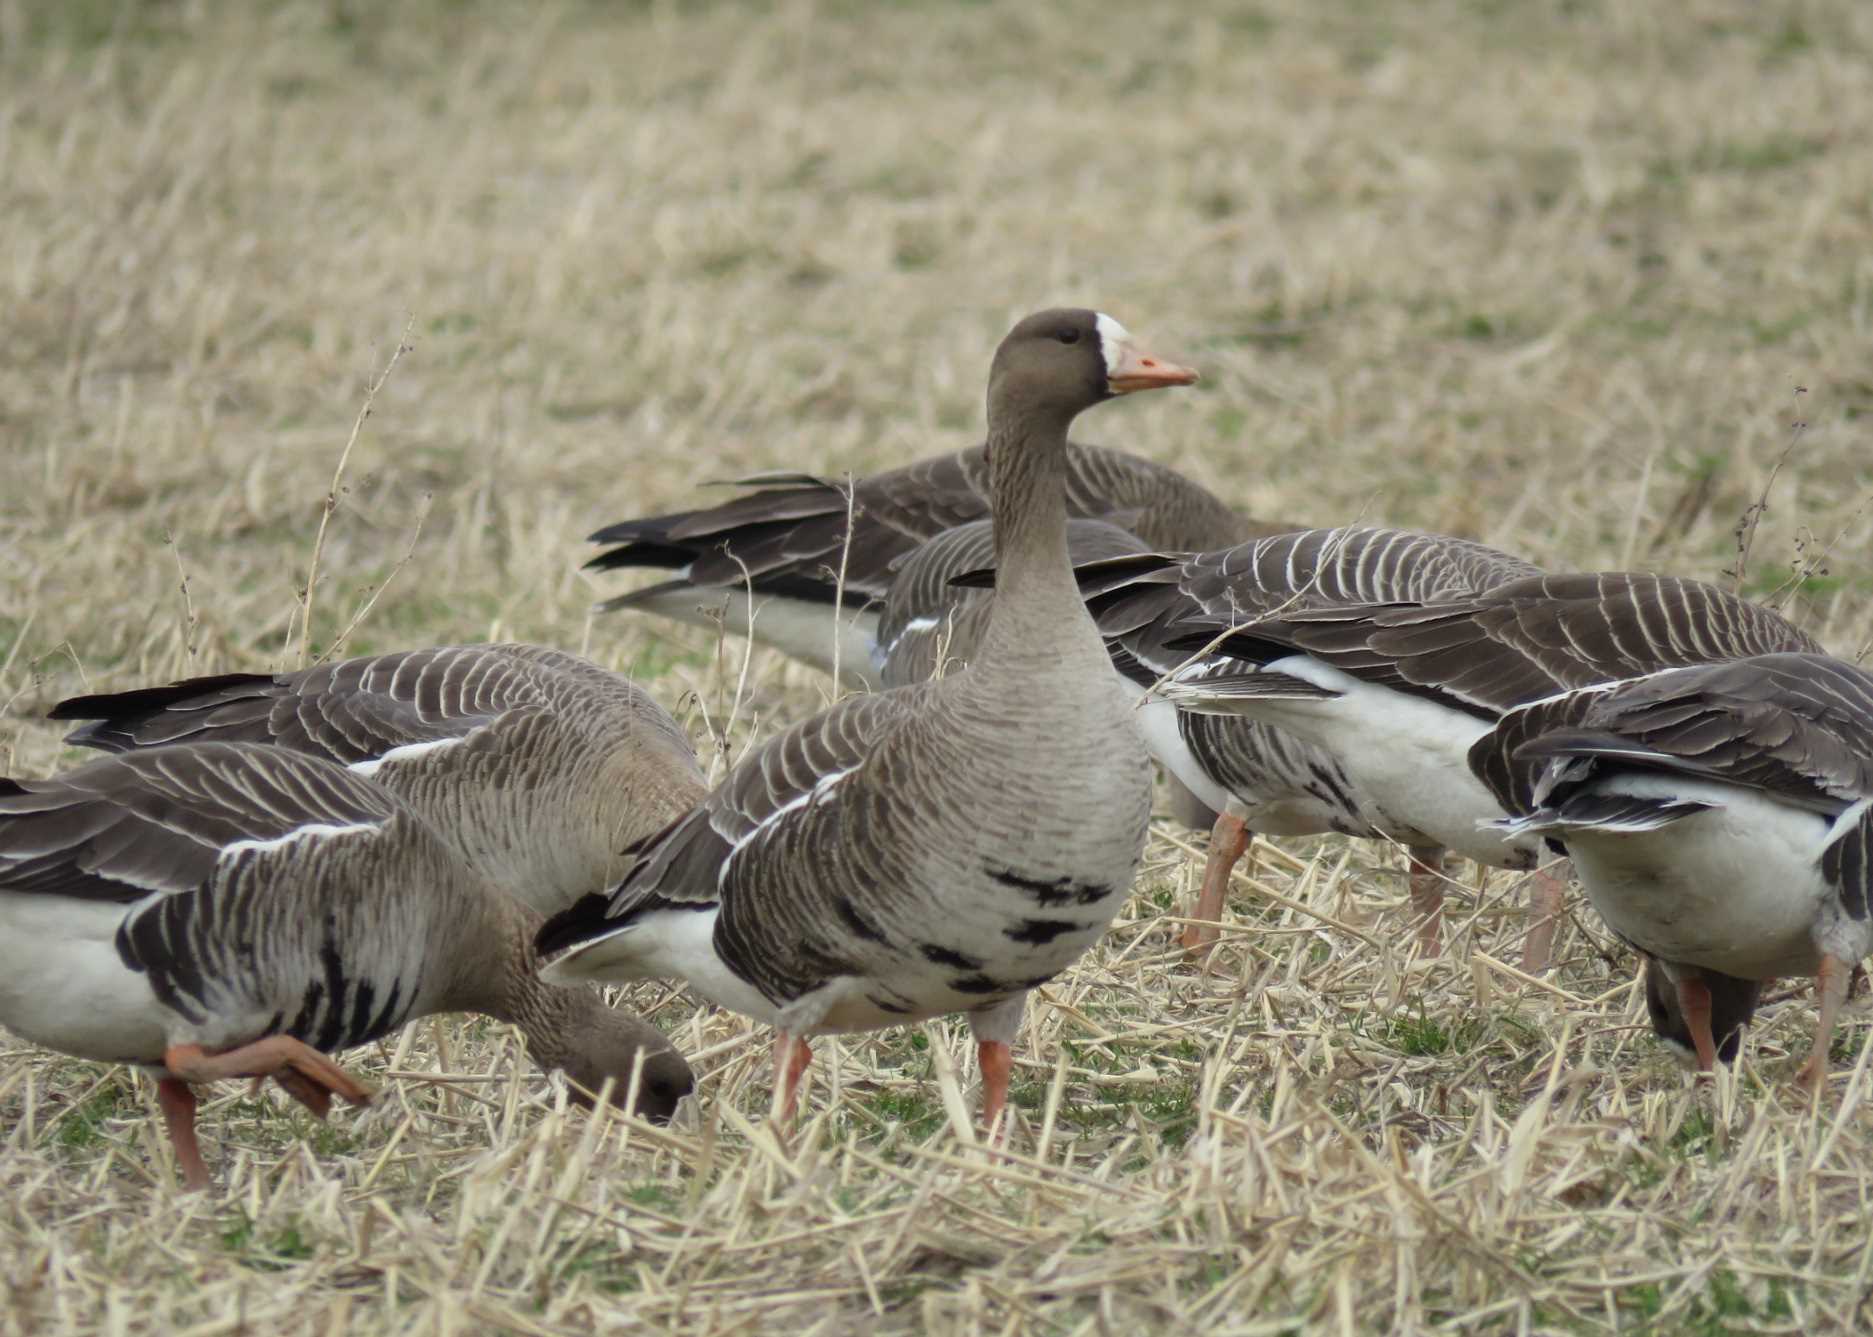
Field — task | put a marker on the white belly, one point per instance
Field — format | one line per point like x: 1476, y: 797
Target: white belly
x: 62, y: 984
x: 1157, y: 721
x: 1737, y: 888
x: 1406, y: 757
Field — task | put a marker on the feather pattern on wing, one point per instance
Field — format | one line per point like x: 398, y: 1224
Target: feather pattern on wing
x: 786, y: 537
x: 540, y: 766
x: 1528, y: 639
x: 1798, y: 727
x: 1151, y: 609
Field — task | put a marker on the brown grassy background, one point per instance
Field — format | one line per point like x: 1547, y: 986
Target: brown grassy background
x: 1560, y: 276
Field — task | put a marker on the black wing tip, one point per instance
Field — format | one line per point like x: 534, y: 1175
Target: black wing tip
x: 148, y: 700
x: 11, y: 788
x: 1243, y: 644
x: 99, y: 734
x: 639, y: 553
x: 584, y: 919
x: 982, y: 578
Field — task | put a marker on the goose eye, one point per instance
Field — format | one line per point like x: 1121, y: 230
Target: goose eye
x: 1067, y: 336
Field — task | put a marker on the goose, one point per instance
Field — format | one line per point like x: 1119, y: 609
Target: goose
x: 1721, y: 821
x: 821, y: 600
x: 220, y: 910
x: 786, y: 541
x: 1252, y: 775
x: 925, y: 849
x: 1399, y: 693
x: 538, y: 765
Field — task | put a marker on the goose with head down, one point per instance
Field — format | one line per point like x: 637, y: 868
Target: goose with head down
x: 1721, y: 820
x: 1255, y: 776
x: 935, y: 848
x: 1399, y: 694
x: 218, y: 910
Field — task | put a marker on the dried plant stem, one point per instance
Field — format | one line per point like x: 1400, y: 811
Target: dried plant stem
x: 338, y: 478
x: 1752, y: 514
x: 376, y: 592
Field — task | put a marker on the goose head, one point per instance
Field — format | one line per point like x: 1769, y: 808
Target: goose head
x: 1732, y: 1007
x: 591, y: 1041
x: 1055, y: 363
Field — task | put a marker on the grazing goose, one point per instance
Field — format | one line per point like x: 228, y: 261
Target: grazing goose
x: 1254, y: 776
x: 539, y: 766
x: 1721, y: 819
x: 943, y: 847
x: 1398, y: 693
x: 787, y: 540
x: 219, y: 910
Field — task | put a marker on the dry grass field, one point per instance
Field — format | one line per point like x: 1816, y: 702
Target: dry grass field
x: 1561, y: 276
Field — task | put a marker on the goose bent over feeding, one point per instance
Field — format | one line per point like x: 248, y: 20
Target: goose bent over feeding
x: 943, y: 847
x: 1253, y: 775
x: 539, y: 766
x: 787, y: 542
x: 1721, y: 820
x: 1398, y: 694
x: 216, y: 910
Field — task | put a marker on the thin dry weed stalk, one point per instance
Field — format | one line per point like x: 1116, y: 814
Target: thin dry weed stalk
x: 332, y: 493
x: 1752, y: 515
x: 1529, y: 274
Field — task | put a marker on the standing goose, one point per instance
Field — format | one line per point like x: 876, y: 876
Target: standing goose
x: 219, y: 910
x: 1253, y: 775
x: 1721, y: 819
x: 539, y: 766
x: 787, y: 542
x: 943, y: 847
x: 1399, y: 693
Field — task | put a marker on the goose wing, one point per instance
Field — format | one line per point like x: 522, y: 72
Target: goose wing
x: 1795, y: 726
x: 1158, y: 608
x: 778, y: 848
x: 121, y: 828
x: 352, y: 712
x: 1526, y: 640
x: 788, y: 536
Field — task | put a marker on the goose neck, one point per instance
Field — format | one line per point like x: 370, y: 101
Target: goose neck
x: 1027, y: 500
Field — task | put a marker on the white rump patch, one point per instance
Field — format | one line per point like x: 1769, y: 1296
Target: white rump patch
x: 407, y: 752
x: 315, y: 831
x: 1114, y: 338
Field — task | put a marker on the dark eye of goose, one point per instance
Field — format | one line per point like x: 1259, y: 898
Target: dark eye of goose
x: 1069, y: 335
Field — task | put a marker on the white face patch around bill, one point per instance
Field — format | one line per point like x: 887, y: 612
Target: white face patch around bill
x: 1114, y: 338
